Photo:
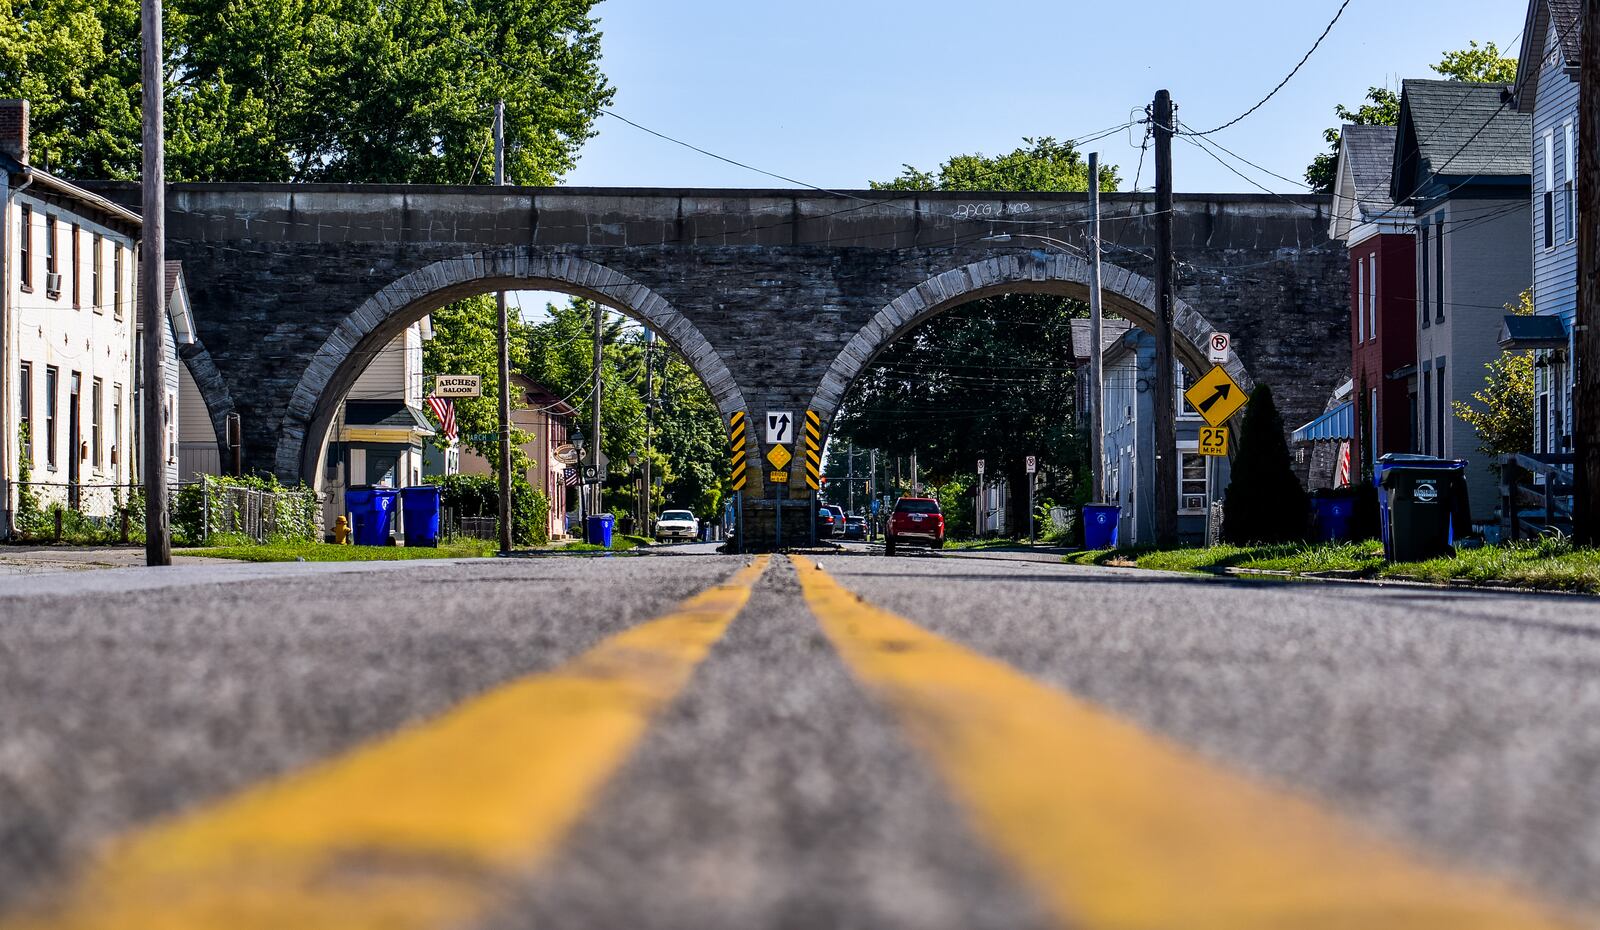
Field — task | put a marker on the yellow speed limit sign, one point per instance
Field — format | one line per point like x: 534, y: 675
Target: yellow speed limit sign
x: 1213, y: 440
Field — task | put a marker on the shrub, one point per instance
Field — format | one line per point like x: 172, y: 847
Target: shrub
x: 1265, y: 502
x: 479, y: 496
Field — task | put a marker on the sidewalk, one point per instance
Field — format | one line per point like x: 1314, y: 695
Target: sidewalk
x: 37, y: 560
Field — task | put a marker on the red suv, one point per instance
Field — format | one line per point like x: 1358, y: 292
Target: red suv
x: 916, y: 521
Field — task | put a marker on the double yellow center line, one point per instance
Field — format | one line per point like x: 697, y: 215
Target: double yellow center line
x: 411, y: 831
x: 1117, y: 828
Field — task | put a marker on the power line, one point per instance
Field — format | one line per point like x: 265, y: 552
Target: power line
x: 1295, y: 70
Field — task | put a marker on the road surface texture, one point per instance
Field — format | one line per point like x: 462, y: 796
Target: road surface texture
x: 840, y: 740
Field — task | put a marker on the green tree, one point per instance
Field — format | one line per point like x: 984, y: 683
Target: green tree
x: 1474, y: 65
x: 1502, y: 414
x: 1265, y: 502
x: 990, y: 379
x: 311, y: 90
x: 465, y: 343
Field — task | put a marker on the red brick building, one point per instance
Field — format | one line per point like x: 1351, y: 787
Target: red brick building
x: 1383, y: 294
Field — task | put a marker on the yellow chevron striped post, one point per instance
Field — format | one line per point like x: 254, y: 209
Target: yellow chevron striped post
x: 813, y: 449
x: 737, y: 431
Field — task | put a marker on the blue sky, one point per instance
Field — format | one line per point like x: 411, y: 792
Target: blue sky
x: 835, y: 93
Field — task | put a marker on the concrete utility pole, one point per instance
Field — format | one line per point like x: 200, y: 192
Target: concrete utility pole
x: 850, y: 482
x: 1166, y: 496
x: 916, y: 479
x: 1097, y: 380
x: 599, y: 393
x: 153, y: 292
x: 1586, y: 338
x: 503, y: 336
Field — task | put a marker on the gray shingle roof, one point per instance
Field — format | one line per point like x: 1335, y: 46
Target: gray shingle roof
x: 1458, y: 130
x: 1111, y: 329
x: 1566, y: 16
x: 1369, y: 151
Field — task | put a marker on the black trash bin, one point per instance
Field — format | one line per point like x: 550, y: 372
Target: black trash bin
x: 1423, y: 506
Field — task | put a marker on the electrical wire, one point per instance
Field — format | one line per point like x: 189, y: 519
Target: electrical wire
x: 1287, y: 78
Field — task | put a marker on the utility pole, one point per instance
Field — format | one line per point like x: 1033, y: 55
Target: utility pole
x: 152, y: 291
x: 850, y: 482
x: 503, y: 337
x: 599, y: 393
x: 1166, y: 496
x: 1097, y: 380
x: 916, y: 480
x: 648, y: 504
x: 1586, y: 337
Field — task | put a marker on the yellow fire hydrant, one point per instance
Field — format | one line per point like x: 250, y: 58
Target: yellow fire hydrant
x: 341, y: 530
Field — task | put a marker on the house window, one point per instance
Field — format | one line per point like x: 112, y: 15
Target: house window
x: 1192, y: 484
x: 1422, y: 253
x: 96, y: 256
x: 116, y: 280
x: 25, y: 395
x: 1361, y: 300
x: 1426, y: 407
x: 1372, y: 295
x: 1438, y: 268
x: 116, y: 424
x: 1548, y: 201
x: 97, y: 402
x: 77, y: 273
x: 1438, y: 372
x: 52, y: 287
x: 1569, y: 188
x: 1372, y: 425
x: 52, y: 385
x: 25, y: 258
x: 1182, y: 380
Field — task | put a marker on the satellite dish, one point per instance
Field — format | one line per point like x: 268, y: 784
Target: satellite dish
x: 566, y: 454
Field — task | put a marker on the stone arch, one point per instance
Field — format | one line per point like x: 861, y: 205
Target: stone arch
x: 333, y: 369
x: 1126, y: 294
x: 213, y: 388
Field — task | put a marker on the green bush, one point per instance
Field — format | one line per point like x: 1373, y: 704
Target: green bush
x: 479, y: 496
x: 1265, y: 502
x: 296, y: 516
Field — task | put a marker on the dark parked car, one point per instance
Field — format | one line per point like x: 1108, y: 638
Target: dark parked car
x: 916, y: 521
x: 855, y: 528
x: 825, y: 527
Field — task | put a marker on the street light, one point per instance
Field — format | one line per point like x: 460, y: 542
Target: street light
x: 577, y: 438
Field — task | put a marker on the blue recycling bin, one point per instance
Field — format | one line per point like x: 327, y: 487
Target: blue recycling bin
x: 1333, y: 517
x: 420, y: 504
x: 1100, y: 523
x: 597, y: 530
x: 371, y: 514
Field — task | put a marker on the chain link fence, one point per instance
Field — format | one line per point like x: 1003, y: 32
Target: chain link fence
x: 99, y: 514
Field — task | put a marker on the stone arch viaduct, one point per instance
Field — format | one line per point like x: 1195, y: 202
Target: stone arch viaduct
x: 777, y: 298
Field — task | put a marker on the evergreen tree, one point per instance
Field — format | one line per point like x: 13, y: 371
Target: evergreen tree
x: 1265, y: 502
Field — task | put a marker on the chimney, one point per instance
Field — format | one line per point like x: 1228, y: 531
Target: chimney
x: 14, y: 129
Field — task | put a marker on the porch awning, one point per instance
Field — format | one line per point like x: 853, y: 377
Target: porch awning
x: 1336, y: 424
x: 1521, y: 333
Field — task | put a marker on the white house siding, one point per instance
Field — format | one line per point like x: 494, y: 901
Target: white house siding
x: 198, y: 453
x: 1483, y: 270
x: 93, y: 339
x: 394, y: 373
x: 1555, y: 269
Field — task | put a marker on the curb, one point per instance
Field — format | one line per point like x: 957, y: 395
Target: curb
x: 1350, y: 577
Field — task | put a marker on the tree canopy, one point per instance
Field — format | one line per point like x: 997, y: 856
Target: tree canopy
x: 1381, y: 107
x: 311, y: 90
x: 990, y: 379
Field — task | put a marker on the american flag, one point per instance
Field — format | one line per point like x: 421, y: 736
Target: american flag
x: 444, y: 410
x: 569, y: 477
x: 1341, y: 476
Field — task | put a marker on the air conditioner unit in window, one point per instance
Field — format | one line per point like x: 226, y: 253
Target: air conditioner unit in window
x: 1194, y: 502
x: 52, y: 284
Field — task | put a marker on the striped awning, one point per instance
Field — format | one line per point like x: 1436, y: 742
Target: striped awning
x: 1336, y: 424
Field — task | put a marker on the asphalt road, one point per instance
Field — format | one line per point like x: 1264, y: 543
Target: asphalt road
x: 934, y: 740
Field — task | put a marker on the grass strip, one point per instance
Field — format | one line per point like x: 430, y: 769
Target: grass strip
x: 328, y: 552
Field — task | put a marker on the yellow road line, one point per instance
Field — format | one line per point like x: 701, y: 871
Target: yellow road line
x: 1117, y: 828
x: 411, y: 831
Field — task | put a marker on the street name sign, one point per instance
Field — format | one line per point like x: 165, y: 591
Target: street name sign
x: 1215, y: 397
x: 1217, y: 347
x: 1213, y: 440
x: 1033, y: 464
x: 457, y: 386
x: 780, y: 426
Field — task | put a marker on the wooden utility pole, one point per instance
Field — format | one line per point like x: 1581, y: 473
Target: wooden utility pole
x: 1097, y: 380
x: 1166, y: 496
x: 647, y: 505
x: 153, y: 292
x: 1586, y: 337
x: 503, y: 337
